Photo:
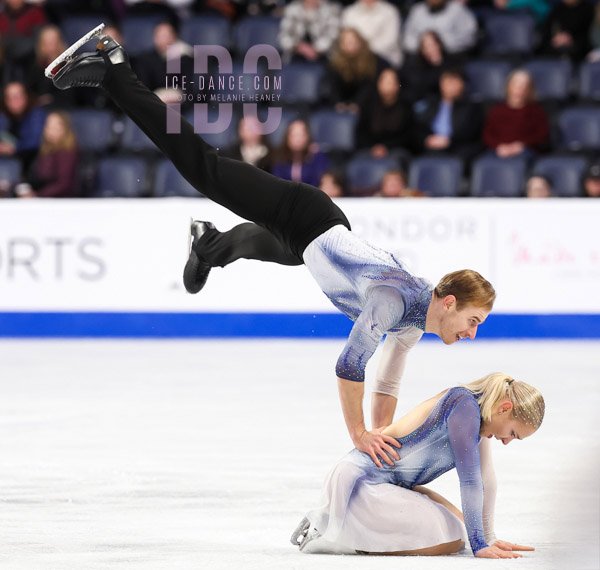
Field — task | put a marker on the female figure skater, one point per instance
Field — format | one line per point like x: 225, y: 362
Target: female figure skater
x: 376, y: 510
x: 296, y: 223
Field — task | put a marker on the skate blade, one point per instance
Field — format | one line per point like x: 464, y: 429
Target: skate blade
x: 51, y: 70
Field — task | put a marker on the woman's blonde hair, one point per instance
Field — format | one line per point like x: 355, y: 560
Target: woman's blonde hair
x: 69, y: 140
x: 492, y: 390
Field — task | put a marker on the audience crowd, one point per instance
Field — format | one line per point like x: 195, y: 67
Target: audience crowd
x: 418, y: 86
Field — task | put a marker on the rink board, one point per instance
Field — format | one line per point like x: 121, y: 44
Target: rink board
x: 112, y: 268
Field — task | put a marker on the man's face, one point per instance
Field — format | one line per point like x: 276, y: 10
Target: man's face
x: 459, y: 324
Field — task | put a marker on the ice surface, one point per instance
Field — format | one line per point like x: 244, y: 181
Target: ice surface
x: 205, y: 454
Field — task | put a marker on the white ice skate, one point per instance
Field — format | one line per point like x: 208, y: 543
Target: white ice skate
x: 68, y: 54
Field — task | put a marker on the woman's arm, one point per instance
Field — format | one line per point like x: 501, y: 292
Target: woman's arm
x: 488, y: 476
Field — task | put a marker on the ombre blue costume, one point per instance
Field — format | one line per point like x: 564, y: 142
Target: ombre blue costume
x: 448, y: 438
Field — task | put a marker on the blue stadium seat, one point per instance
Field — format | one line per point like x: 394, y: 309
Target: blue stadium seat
x: 120, y: 177
x: 168, y: 182
x: 486, y: 80
x: 551, y: 77
x: 564, y: 172
x: 332, y: 130
x: 366, y: 173
x: 138, y: 33
x: 75, y: 27
x: 501, y: 177
x: 10, y: 170
x: 218, y: 140
x: 206, y: 30
x: 94, y: 129
x: 436, y: 176
x: 580, y: 128
x: 134, y: 139
x: 255, y: 30
x: 589, y: 81
x: 509, y: 34
x: 301, y: 83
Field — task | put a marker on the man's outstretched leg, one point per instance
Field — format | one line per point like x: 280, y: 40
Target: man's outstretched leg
x: 294, y: 213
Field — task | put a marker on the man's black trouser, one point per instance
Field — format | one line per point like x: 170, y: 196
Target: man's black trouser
x: 289, y: 215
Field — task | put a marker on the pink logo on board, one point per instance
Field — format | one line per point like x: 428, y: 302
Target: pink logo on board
x: 251, y: 88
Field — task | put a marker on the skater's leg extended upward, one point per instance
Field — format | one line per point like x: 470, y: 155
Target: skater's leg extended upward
x: 294, y: 213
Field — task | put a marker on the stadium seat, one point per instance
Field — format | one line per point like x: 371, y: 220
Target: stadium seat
x: 486, y: 80
x: 168, y: 182
x: 301, y: 83
x: 138, y: 33
x: 365, y: 174
x: 589, y: 81
x: 580, y: 128
x: 93, y: 128
x: 75, y: 27
x: 507, y: 34
x: 10, y: 170
x: 564, y: 172
x: 255, y: 30
x: 120, y: 178
x: 551, y: 77
x: 497, y: 177
x: 332, y: 130
x: 206, y: 30
x: 134, y: 139
x: 436, y: 176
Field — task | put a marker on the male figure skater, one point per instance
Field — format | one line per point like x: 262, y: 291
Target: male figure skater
x: 295, y: 223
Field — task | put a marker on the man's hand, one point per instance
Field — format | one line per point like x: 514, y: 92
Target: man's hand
x: 376, y: 445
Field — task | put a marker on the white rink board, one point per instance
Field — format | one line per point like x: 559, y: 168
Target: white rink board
x: 128, y: 255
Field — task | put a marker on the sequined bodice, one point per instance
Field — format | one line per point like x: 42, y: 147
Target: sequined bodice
x: 447, y: 439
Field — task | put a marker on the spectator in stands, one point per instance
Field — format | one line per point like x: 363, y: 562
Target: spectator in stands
x: 595, y: 35
x: 55, y: 171
x: 308, y: 29
x: 519, y: 126
x: 171, y: 11
x: 151, y: 66
x: 537, y: 8
x: 379, y: 22
x: 19, y: 23
x: 422, y: 70
x: 299, y: 159
x: 352, y: 69
x: 252, y: 147
x: 385, y: 120
x: 591, y: 181
x: 394, y: 185
x: 567, y: 29
x: 21, y: 123
x: 538, y: 187
x: 332, y: 184
x: 49, y: 45
x: 451, y: 20
x: 450, y: 122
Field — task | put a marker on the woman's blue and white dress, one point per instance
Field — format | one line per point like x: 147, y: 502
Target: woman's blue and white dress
x: 370, y: 508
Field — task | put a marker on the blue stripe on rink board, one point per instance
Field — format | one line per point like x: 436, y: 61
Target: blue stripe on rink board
x: 265, y: 325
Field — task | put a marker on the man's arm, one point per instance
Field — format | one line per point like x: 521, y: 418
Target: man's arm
x: 389, y: 373
x: 383, y: 309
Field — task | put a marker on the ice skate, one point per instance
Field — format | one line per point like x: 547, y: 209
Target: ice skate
x: 86, y: 69
x: 196, y: 271
x: 299, y: 535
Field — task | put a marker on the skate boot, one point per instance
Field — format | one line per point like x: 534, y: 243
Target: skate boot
x: 86, y: 69
x: 196, y: 270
